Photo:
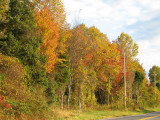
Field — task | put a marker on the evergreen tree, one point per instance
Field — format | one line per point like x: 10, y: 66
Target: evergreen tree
x: 139, y: 77
x: 23, y: 40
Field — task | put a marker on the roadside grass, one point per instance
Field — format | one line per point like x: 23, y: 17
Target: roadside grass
x: 95, y: 115
x: 98, y: 114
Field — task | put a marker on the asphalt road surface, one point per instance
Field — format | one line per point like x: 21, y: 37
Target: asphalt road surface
x: 148, y: 116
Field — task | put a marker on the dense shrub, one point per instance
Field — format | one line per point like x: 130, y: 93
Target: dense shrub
x: 16, y: 98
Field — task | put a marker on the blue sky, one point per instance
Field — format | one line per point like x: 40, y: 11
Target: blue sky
x: 138, y: 18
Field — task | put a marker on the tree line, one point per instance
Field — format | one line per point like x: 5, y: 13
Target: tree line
x: 44, y: 61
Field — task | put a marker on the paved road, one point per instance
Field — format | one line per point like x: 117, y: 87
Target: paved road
x: 148, y: 116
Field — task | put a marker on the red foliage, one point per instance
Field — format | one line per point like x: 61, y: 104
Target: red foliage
x: 3, y: 102
x: 120, y: 77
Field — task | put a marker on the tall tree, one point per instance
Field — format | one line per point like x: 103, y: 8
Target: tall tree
x: 154, y: 70
x: 130, y: 50
x: 49, y: 31
x: 23, y: 40
x: 126, y: 44
x: 139, y: 77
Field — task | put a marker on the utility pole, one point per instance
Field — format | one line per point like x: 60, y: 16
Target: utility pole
x: 124, y: 83
x: 155, y: 84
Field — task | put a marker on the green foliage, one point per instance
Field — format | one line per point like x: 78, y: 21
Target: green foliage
x: 23, y: 40
x: 155, y: 69
x: 147, y: 97
x: 62, y: 71
x: 158, y: 86
x: 139, y: 77
x: 58, y: 79
x: 23, y: 100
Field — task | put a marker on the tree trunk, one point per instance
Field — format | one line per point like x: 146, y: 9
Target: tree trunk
x: 131, y: 94
x: 91, y: 97
x: 62, y: 96
x: 108, y: 100
x: 69, y: 85
x: 137, y: 92
x: 79, y: 98
x: 59, y: 96
x: 69, y: 91
x: 79, y: 106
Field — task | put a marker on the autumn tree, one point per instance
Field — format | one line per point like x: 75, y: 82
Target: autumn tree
x: 130, y: 49
x: 127, y: 45
x: 51, y: 20
x: 76, y: 49
x: 49, y: 32
x: 57, y: 14
x: 92, y: 58
x: 104, y: 57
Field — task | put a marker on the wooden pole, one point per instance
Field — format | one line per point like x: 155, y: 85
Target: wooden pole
x: 124, y: 83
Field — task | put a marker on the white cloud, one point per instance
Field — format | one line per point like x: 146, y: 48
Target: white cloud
x: 120, y: 11
x: 151, y: 4
x: 117, y: 27
x: 131, y: 21
x: 149, y: 52
x: 115, y: 16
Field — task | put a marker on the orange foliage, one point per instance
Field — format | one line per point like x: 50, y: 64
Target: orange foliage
x: 49, y: 31
x: 89, y: 57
